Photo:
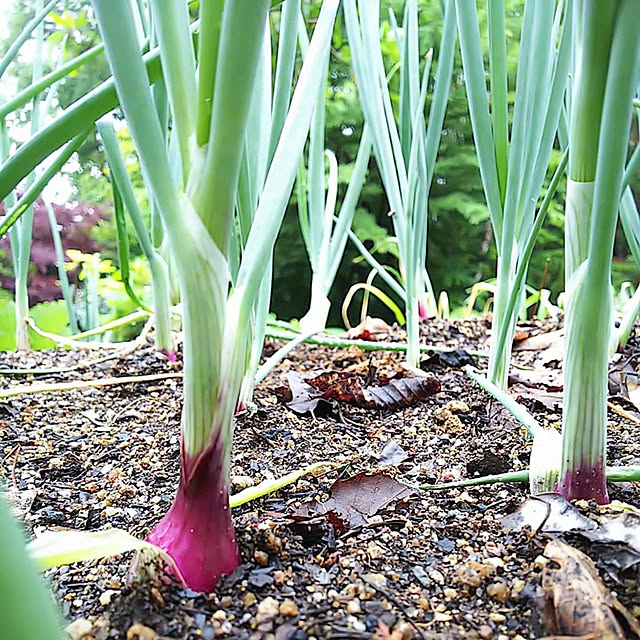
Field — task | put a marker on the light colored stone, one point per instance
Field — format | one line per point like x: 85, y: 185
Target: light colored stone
x: 140, y: 632
x: 375, y: 578
x: 248, y: 599
x: 485, y: 632
x: 241, y: 482
x: 267, y: 610
x: 79, y: 628
x: 288, y: 608
x: 375, y: 551
x: 106, y: 597
x: 353, y: 606
x: 498, y: 591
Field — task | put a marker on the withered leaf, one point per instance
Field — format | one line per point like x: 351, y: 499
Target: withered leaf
x: 392, y: 453
x: 618, y: 538
x: 356, y: 499
x: 576, y: 601
x: 304, y: 395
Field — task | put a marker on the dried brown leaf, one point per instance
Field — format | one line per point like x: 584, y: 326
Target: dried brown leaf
x: 304, y: 395
x: 356, y: 499
x: 576, y: 601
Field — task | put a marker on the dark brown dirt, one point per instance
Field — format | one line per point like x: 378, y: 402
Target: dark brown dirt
x: 438, y: 565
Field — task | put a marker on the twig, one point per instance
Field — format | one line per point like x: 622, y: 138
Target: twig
x: 16, y: 451
x: 621, y: 412
x: 131, y: 346
x: 397, y: 603
x: 84, y: 384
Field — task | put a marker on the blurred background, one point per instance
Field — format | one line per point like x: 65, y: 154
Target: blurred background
x: 461, y: 248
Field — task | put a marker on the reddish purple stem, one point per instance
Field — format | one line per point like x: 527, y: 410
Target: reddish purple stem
x: 197, y: 532
x: 587, y: 482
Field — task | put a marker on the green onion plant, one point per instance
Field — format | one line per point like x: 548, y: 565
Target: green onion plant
x: 405, y: 150
x: 195, y: 190
x: 20, y: 235
x: 513, y: 161
x: 27, y: 609
x: 324, y: 238
x: 606, y: 54
x: 124, y: 193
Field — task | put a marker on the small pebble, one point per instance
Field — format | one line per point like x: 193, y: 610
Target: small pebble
x: 358, y: 625
x: 219, y: 615
x: 106, y: 597
x: 140, y: 632
x: 436, y: 576
x: 241, y: 482
x: 248, y: 599
x: 485, y: 632
x: 353, y: 606
x: 498, y: 618
x: 79, y: 628
x: 288, y: 608
x: 267, y: 610
x: 498, y: 591
x: 375, y: 578
x: 157, y: 598
x: 261, y: 557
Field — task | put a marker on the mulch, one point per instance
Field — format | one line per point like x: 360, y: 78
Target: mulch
x: 434, y: 565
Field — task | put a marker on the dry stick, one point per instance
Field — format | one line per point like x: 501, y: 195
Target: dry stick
x: 621, y: 412
x: 72, y: 342
x: 84, y: 384
x: 397, y: 603
x: 132, y: 346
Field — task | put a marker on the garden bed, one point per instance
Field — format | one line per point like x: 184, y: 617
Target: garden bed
x: 431, y: 564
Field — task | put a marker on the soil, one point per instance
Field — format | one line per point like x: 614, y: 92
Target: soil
x: 437, y: 564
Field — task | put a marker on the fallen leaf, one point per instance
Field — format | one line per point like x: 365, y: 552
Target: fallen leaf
x: 355, y: 500
x: 457, y: 358
x: 303, y: 396
x: 618, y: 538
x: 575, y: 601
x: 392, y: 453
x: 543, y: 342
x: 548, y: 513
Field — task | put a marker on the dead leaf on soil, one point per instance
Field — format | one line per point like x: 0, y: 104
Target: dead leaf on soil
x: 575, y: 601
x: 542, y: 342
x: 623, y: 378
x: 303, y: 395
x: 456, y: 359
x: 548, y: 513
x: 355, y: 500
x: 392, y: 453
x: 618, y: 538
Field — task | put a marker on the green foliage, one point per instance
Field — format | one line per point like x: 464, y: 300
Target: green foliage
x: 460, y: 249
x: 27, y: 609
x: 114, y: 296
x: 51, y: 317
